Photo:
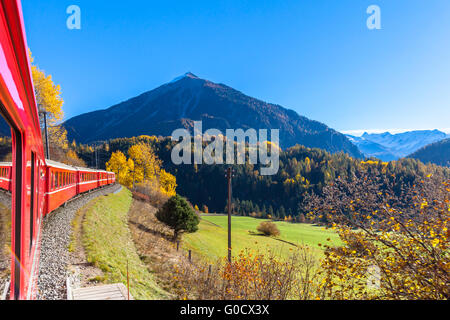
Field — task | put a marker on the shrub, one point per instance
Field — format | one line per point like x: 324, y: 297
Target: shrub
x: 268, y: 229
x: 150, y: 191
x: 179, y: 216
x: 252, y: 275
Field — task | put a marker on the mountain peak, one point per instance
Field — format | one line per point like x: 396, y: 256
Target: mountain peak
x: 189, y: 75
x: 188, y: 99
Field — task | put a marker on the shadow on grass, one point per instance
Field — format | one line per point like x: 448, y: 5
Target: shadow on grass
x: 256, y: 234
x: 154, y: 232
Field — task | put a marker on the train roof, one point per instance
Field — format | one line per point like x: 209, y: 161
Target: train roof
x: 55, y: 164
x: 59, y: 165
x: 91, y: 170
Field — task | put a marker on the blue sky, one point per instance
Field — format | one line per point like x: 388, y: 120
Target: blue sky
x: 316, y: 57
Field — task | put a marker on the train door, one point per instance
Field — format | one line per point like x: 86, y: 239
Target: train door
x: 33, y: 192
x: 10, y: 237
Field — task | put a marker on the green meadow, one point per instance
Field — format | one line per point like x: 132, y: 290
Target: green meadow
x: 210, y: 241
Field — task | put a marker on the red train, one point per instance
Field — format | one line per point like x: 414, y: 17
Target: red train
x: 38, y: 186
x: 63, y: 182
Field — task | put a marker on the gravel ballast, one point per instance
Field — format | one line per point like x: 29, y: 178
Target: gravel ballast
x: 54, y: 254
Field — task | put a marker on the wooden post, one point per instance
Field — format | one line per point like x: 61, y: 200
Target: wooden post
x: 128, y: 282
x: 178, y: 245
x: 229, y: 176
x: 190, y: 256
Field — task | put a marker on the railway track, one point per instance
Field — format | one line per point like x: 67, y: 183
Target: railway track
x: 56, y: 237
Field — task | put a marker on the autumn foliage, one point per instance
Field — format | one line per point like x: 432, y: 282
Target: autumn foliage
x: 251, y: 275
x: 394, y: 247
x: 49, y: 100
x: 142, y: 171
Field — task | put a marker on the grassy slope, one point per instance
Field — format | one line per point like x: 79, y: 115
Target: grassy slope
x: 108, y: 244
x: 211, y: 239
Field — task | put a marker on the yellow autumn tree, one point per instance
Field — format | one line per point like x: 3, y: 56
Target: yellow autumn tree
x: 142, y: 172
x: 122, y: 167
x: 167, y: 183
x: 50, y: 101
x: 128, y: 180
x: 146, y: 164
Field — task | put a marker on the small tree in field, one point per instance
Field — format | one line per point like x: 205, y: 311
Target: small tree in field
x: 268, y: 229
x: 178, y: 215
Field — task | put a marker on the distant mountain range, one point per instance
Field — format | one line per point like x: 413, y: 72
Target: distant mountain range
x: 437, y: 153
x: 388, y: 147
x: 187, y: 99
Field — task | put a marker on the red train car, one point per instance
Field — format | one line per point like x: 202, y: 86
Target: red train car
x: 61, y: 185
x: 88, y: 180
x: 5, y: 176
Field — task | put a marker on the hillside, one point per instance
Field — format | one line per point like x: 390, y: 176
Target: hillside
x: 302, y: 171
x: 437, y: 153
x: 187, y: 99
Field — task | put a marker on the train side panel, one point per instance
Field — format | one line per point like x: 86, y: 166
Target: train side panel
x: 62, y: 187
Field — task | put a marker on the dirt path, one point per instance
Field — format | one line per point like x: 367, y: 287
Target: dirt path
x: 83, y: 273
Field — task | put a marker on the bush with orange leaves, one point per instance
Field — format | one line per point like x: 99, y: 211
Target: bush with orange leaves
x: 268, y: 228
x: 393, y: 249
x: 252, y: 276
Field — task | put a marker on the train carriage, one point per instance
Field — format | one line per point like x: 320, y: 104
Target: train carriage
x: 5, y: 176
x: 61, y: 185
x: 88, y: 180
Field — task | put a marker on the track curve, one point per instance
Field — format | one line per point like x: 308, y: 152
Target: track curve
x: 54, y: 253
